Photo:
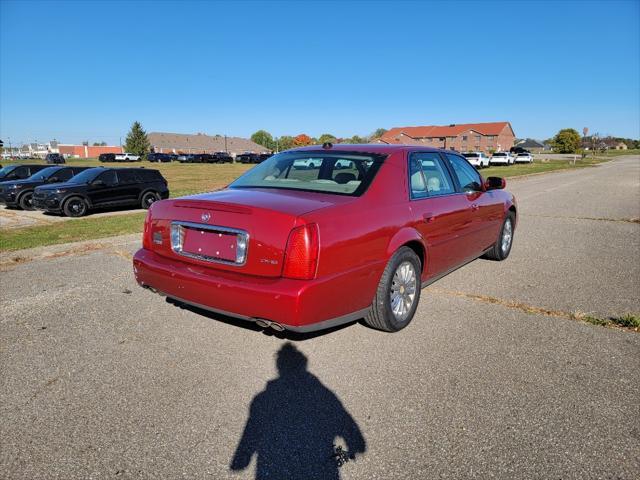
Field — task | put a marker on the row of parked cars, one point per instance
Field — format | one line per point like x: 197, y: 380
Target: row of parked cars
x: 217, y: 157
x: 480, y: 160
x: 74, y: 191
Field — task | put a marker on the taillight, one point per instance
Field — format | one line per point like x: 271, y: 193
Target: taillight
x: 146, y: 232
x: 301, y: 256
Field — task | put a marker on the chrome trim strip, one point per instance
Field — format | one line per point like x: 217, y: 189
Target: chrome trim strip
x: 242, y: 238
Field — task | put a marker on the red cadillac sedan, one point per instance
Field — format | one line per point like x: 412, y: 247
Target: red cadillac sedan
x: 319, y: 236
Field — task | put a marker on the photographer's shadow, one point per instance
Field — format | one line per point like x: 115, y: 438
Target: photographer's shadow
x: 294, y: 424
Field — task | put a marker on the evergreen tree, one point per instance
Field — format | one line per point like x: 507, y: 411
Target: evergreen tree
x: 137, y: 141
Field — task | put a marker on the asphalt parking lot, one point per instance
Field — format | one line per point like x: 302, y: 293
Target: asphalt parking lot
x: 100, y: 378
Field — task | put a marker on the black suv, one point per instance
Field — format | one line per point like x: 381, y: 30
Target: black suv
x: 248, y: 158
x: 102, y: 187
x: 222, y: 157
x: 160, y: 157
x: 107, y: 157
x: 18, y: 172
x: 19, y: 193
x: 54, y: 158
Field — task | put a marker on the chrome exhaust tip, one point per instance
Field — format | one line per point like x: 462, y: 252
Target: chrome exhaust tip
x: 277, y: 326
x: 262, y: 323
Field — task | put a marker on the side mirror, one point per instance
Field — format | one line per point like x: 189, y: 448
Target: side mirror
x: 99, y: 183
x: 495, y: 183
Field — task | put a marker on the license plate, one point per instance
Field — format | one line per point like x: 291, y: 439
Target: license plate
x: 216, y: 245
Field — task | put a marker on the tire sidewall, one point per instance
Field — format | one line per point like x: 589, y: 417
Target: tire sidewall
x: 144, y: 196
x: 70, y: 213
x: 23, y: 198
x: 504, y: 255
x: 403, y: 255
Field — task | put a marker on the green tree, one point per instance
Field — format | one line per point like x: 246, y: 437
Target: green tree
x: 327, y: 137
x: 285, y: 143
x: 378, y: 133
x: 566, y: 140
x: 264, y: 138
x: 137, y: 141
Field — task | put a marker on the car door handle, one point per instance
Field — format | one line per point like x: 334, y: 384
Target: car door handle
x: 474, y: 207
x: 428, y: 217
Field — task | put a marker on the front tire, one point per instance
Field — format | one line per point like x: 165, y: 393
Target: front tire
x: 75, y: 207
x: 398, y: 294
x: 501, y: 249
x: 26, y: 201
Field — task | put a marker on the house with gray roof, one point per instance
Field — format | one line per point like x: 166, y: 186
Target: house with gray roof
x: 162, y: 142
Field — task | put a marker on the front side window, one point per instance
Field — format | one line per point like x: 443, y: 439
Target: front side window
x: 108, y: 177
x: 468, y: 178
x: 343, y: 173
x: 428, y: 176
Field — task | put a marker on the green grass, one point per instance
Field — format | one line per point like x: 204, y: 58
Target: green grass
x: 70, y: 231
x: 626, y: 321
x: 185, y: 179
x: 539, y: 166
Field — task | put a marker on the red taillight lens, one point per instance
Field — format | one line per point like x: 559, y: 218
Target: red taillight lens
x: 301, y: 257
x: 146, y: 232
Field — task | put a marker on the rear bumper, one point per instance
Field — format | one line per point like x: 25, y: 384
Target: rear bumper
x: 297, y: 305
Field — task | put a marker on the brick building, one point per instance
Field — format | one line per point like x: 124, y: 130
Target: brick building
x: 463, y: 137
x: 86, y: 151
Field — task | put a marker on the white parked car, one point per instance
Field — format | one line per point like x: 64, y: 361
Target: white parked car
x: 126, y: 157
x: 501, y: 158
x: 477, y: 159
x: 524, y: 158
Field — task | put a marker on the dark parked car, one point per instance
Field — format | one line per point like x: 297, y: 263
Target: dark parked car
x: 107, y: 157
x: 18, y: 172
x: 160, y: 157
x: 291, y: 248
x: 190, y: 158
x: 54, y: 158
x: 100, y: 188
x: 19, y: 193
x: 248, y: 158
x: 222, y: 157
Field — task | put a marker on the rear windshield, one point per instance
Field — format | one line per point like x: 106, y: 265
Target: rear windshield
x: 469, y: 155
x: 342, y: 173
x: 499, y: 154
x: 523, y: 154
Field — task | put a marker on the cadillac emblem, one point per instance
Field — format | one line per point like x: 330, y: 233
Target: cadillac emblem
x: 205, y: 216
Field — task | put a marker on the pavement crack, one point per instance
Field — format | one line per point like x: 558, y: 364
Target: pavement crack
x: 612, y: 322
x: 597, y: 219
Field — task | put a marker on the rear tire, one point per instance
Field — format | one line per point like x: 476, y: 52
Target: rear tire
x: 26, y: 201
x: 501, y: 249
x: 75, y: 207
x: 147, y: 199
x: 398, y: 294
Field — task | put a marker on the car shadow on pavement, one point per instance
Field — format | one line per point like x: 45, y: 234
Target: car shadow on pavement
x: 294, y: 424
x: 247, y: 325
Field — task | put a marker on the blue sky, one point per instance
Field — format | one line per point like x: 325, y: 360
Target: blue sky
x: 85, y: 70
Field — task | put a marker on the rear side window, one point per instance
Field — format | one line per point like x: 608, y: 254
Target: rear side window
x: 468, y: 177
x: 148, y: 175
x: 127, y: 177
x: 64, y: 174
x: 428, y: 176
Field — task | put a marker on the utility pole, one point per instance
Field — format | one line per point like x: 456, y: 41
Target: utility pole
x: 225, y: 145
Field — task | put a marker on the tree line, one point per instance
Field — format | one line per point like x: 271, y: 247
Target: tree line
x: 568, y: 140
x: 285, y: 142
